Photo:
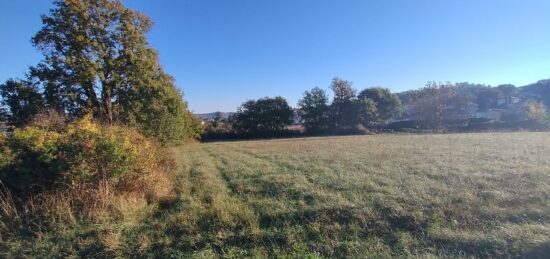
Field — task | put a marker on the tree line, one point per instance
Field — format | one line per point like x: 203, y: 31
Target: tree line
x: 348, y: 112
x: 97, y: 61
x: 436, y: 107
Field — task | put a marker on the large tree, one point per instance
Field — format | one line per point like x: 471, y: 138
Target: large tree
x: 342, y: 109
x: 436, y: 103
x: 263, y: 117
x: 314, y: 110
x: 378, y: 105
x: 97, y: 60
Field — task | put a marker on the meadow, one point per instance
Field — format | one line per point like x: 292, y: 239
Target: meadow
x: 455, y: 195
x: 480, y: 195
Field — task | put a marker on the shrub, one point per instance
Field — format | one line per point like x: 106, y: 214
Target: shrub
x: 66, y: 183
x: 82, y: 155
x: 5, y: 153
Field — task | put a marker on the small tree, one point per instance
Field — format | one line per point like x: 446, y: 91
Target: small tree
x: 342, y: 108
x: 536, y: 110
x: 218, y: 118
x: 263, y: 117
x: 23, y: 101
x: 436, y: 103
x: 314, y: 109
x: 378, y: 105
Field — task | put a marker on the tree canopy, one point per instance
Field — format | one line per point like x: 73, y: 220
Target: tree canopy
x: 437, y: 102
x: 378, y: 105
x: 22, y: 99
x: 97, y: 60
x: 314, y: 109
x: 342, y: 112
x: 263, y: 116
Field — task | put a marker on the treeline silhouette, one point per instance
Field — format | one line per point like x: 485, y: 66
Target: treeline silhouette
x: 437, y: 107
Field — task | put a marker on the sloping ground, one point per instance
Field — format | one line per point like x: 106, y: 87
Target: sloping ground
x: 426, y: 195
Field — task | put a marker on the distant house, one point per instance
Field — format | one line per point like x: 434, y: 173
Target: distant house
x: 508, y: 100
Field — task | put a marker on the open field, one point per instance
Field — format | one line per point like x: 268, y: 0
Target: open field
x: 465, y: 195
x: 460, y: 195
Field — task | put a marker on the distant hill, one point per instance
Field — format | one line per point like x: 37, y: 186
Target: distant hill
x: 210, y: 116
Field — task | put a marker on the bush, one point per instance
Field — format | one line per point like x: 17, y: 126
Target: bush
x: 5, y: 152
x: 68, y: 182
x: 82, y: 155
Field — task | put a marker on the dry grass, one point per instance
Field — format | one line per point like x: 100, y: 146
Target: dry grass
x: 459, y: 195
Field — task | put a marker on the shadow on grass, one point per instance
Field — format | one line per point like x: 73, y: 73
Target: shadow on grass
x: 542, y: 251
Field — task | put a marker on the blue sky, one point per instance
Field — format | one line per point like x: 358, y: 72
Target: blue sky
x: 223, y: 52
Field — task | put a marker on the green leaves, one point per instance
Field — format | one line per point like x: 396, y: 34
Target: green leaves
x: 263, y: 117
x: 97, y: 60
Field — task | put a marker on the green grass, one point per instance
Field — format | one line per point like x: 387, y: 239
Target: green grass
x: 459, y: 195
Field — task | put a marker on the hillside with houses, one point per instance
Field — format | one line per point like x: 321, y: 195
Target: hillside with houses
x: 472, y: 107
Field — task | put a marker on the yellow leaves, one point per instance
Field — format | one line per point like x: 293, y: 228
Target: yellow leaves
x: 85, y: 124
x: 35, y: 138
x: 3, y: 139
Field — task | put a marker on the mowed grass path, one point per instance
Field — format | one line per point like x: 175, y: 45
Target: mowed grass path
x: 383, y: 195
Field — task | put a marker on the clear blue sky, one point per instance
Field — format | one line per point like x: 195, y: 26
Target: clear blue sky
x: 224, y: 52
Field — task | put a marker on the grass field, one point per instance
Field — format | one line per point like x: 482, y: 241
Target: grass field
x: 386, y: 195
x: 459, y: 195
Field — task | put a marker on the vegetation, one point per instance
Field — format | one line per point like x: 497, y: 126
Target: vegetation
x: 438, y: 102
x: 263, y: 117
x: 438, y: 107
x: 24, y: 102
x: 86, y: 171
x: 372, y: 107
x: 342, y: 113
x: 377, y: 106
x: 97, y: 61
x: 68, y: 193
x: 314, y: 110
x: 472, y: 195
x: 536, y: 110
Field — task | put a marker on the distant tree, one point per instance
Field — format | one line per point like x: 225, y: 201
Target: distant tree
x: 536, y: 110
x: 487, y: 98
x: 438, y: 102
x: 366, y: 112
x: 378, y: 105
x: 314, y: 110
x: 263, y: 117
x: 507, y: 90
x: 342, y: 108
x: 218, y: 118
x: 23, y: 101
x: 541, y: 88
x: 97, y: 60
